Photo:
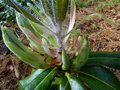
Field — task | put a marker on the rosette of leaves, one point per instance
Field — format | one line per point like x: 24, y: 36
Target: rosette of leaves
x: 61, y: 57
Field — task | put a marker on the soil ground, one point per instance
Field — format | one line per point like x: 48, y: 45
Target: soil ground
x: 102, y: 36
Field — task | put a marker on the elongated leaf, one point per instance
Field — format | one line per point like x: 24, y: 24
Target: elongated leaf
x: 22, y: 21
x: 13, y: 4
x: 39, y: 79
x: 72, y: 20
x: 45, y: 33
x: 102, y: 74
x: 64, y: 85
x: 104, y: 54
x: 40, y: 29
x: 37, y: 12
x: 56, y: 9
x: 46, y: 6
x: 60, y: 9
x: 111, y: 62
x: 75, y: 83
x: 45, y: 20
x: 20, y: 50
x: 72, y: 16
x: 94, y: 83
x: 94, y: 14
x: 65, y: 60
x: 82, y: 56
x: 46, y: 47
x: 29, y: 32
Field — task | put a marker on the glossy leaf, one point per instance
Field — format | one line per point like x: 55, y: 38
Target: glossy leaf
x: 94, y: 83
x: 104, y: 54
x: 103, y: 74
x: 21, y: 51
x: 40, y: 79
x: 75, y: 83
x: 82, y: 56
x: 99, y: 78
x: 111, y: 62
x: 54, y: 87
x: 64, y: 85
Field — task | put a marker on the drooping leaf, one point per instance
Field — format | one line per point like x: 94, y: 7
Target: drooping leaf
x: 21, y: 51
x: 111, y: 62
x: 75, y: 83
x: 103, y: 74
x: 94, y: 14
x: 39, y: 79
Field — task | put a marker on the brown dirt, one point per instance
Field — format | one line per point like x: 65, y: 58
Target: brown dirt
x: 102, y: 36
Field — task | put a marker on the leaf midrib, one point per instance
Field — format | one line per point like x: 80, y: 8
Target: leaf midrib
x: 45, y: 78
x: 97, y: 79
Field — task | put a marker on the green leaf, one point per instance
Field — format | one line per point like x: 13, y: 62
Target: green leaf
x: 82, y: 56
x: 29, y: 32
x: 46, y: 47
x: 65, y: 60
x: 56, y: 9
x: 94, y: 83
x: 111, y: 62
x: 64, y: 85
x: 99, y: 78
x: 43, y: 18
x: 60, y: 9
x: 94, y: 14
x: 21, y: 51
x: 54, y: 87
x: 40, y: 79
x: 75, y: 83
x: 22, y: 21
x: 111, y: 59
x: 13, y: 4
x: 47, y: 6
x: 72, y: 20
x: 45, y: 33
x: 104, y: 54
